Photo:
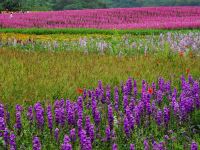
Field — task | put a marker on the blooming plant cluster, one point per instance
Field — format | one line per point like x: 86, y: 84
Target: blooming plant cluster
x: 158, y: 117
x: 119, y: 18
x: 124, y: 44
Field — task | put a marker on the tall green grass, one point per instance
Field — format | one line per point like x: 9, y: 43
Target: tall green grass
x: 41, y: 31
x: 45, y: 76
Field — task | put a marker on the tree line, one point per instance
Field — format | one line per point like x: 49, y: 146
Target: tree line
x: 38, y: 5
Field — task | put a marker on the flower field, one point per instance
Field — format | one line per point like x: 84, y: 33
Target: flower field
x: 115, y: 44
x: 36, y: 112
x: 102, y: 119
x: 119, y: 18
x: 84, y: 86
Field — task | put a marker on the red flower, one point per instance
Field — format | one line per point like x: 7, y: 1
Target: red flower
x: 187, y: 71
x: 181, y: 53
x: 79, y: 90
x: 150, y: 90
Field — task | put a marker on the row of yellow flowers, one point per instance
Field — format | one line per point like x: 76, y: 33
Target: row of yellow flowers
x: 53, y: 37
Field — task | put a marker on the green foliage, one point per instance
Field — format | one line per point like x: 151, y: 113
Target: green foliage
x: 11, y: 5
x: 83, y: 31
x: 45, y: 75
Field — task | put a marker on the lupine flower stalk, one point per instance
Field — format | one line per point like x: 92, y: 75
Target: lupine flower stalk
x: 36, y: 143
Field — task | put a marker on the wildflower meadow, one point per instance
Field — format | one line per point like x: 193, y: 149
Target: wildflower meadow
x: 102, y: 79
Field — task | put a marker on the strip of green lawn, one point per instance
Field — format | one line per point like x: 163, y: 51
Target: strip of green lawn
x: 40, y: 31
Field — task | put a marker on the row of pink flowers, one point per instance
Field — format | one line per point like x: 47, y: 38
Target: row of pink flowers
x: 118, y: 18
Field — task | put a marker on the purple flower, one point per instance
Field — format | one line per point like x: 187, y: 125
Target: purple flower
x: 1, y: 110
x: 146, y: 145
x: 148, y: 104
x: 30, y: 114
x: 130, y: 118
x: 195, y: 88
x: 57, y: 115
x: 6, y: 136
x: 161, y: 146
x: 71, y: 114
x: 80, y: 102
x: 36, y: 143
x: 85, y: 141
x: 88, y: 144
x: 18, y: 124
x: 89, y: 128
x: 13, y: 145
x: 174, y: 94
x: 158, y: 146
x: 197, y: 101
x: 161, y: 84
x: 132, y: 104
x: 166, y: 137
x: 56, y: 104
x: 129, y: 85
x: 175, y: 107
x: 190, y: 79
x: 194, y: 146
x: 132, y: 147
x: 144, y: 86
x: 108, y: 95
x: 125, y: 90
x: 39, y: 115
x: 62, y: 117
x: 135, y: 88
x: 154, y: 107
x: 114, y: 147
x: 168, y: 87
x: 62, y: 103
x: 153, y: 86
x: 68, y: 103
x: 56, y: 134
x: 126, y: 126
x: 159, y: 117
x: 125, y: 101
x: 91, y: 132
x: 100, y: 85
x: 159, y: 95
x: 97, y: 117
x: 84, y: 94
x: 49, y: 118
x: 137, y: 115
x: 72, y: 135
x: 116, y: 98
x: 66, y: 144
x: 110, y: 116
x: 97, y: 93
x: 166, y: 115
x: 2, y: 126
x: 87, y: 124
x: 108, y: 133
x: 18, y: 108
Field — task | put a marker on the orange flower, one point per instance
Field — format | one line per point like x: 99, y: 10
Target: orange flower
x: 79, y: 90
x: 150, y: 90
x: 191, y: 54
x: 181, y: 53
x: 187, y: 71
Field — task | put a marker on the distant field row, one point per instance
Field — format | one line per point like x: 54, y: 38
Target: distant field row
x: 117, y: 18
x: 39, y: 31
